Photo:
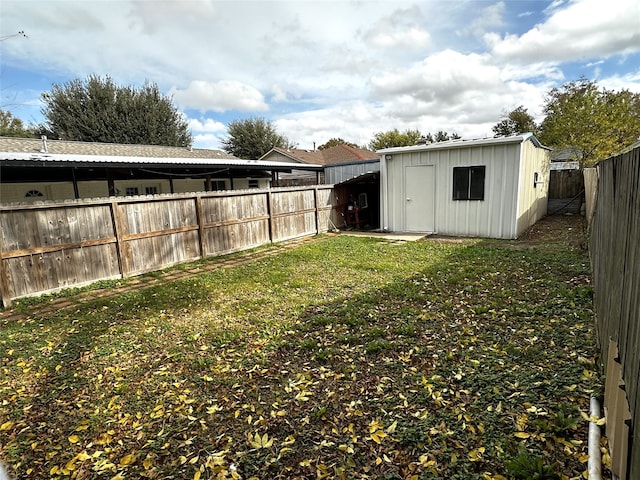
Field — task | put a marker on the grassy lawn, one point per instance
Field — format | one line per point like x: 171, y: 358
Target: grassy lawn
x: 343, y: 358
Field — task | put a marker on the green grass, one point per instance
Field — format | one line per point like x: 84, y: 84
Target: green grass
x: 343, y: 358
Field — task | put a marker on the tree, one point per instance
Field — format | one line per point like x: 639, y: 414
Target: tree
x: 442, y: 136
x: 98, y: 110
x: 336, y: 141
x: 514, y: 122
x: 394, y: 138
x: 596, y: 123
x: 252, y: 137
x: 11, y: 126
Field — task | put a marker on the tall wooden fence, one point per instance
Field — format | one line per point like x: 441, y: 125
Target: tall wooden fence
x: 615, y: 257
x: 51, y: 246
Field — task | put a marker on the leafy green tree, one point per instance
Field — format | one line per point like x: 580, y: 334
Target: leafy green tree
x: 394, y: 138
x: 514, y: 122
x: 11, y: 126
x: 442, y: 136
x: 252, y: 137
x: 98, y: 110
x: 596, y: 123
x: 336, y: 141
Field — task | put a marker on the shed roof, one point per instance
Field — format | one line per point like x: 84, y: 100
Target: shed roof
x: 460, y: 143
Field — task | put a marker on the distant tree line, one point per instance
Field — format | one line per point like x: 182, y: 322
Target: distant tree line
x: 595, y: 122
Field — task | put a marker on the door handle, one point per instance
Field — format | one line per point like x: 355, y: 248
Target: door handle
x: 408, y: 199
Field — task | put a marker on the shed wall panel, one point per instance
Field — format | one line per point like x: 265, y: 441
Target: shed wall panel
x: 495, y: 216
x: 532, y: 200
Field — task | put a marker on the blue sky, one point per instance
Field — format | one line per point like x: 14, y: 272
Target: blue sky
x: 323, y: 69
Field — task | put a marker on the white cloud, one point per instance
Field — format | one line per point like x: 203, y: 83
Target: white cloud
x: 401, y: 29
x: 581, y: 29
x: 489, y: 17
x: 207, y: 140
x: 219, y: 96
x: 629, y: 81
x: 206, y: 125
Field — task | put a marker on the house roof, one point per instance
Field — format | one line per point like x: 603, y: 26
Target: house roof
x: 338, y: 154
x: 460, y: 143
x: 29, y: 151
x: 37, y: 145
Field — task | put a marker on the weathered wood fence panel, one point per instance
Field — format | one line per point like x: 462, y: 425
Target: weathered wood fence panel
x: 57, y: 247
x: 615, y: 258
x: 158, y: 234
x: 293, y: 214
x: 565, y: 183
x: 234, y: 223
x: 49, y: 246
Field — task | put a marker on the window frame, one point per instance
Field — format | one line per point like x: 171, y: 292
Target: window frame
x: 469, y: 183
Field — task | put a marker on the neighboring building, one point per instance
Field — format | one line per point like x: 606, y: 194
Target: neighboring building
x: 340, y: 162
x: 40, y: 169
x: 491, y: 187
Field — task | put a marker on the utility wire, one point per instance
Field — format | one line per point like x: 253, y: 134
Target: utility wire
x: 19, y: 34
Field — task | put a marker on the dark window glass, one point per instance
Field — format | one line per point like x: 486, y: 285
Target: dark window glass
x: 468, y: 183
x: 476, y: 187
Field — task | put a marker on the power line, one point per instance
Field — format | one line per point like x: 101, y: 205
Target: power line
x: 19, y: 34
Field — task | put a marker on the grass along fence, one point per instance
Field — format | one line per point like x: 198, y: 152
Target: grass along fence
x: 47, y: 247
x: 615, y: 256
x: 419, y: 360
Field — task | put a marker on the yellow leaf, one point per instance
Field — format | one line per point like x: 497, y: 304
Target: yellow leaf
x: 378, y: 436
x: 6, y: 426
x: 74, y: 439
x: 522, y: 435
x: 266, y: 441
x: 127, y: 460
x: 196, y: 476
x: 392, y: 427
x: 82, y: 456
x: 147, y: 462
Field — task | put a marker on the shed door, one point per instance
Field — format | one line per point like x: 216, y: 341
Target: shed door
x: 419, y: 188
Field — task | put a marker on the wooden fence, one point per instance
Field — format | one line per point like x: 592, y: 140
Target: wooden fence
x: 50, y: 246
x: 615, y: 258
x: 565, y: 183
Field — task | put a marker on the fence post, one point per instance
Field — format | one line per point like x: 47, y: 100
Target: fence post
x: 5, y: 295
x: 315, y: 201
x: 270, y: 215
x: 200, y: 219
x: 118, y: 227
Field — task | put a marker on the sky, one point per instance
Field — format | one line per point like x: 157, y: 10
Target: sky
x: 322, y: 69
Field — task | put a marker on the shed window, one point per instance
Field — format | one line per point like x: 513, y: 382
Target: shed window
x: 33, y: 193
x: 253, y: 183
x: 468, y: 183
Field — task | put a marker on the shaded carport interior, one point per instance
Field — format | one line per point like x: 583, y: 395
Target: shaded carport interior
x: 356, y: 191
x: 19, y: 166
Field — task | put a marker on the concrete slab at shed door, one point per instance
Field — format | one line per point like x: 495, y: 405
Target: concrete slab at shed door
x: 419, y: 187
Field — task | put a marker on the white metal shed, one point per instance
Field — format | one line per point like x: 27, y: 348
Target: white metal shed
x: 490, y: 187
